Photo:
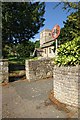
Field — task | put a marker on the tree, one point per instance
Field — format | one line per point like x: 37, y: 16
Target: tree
x: 71, y: 28
x: 24, y: 50
x: 69, y: 5
x: 37, y: 44
x: 21, y: 21
x: 69, y: 50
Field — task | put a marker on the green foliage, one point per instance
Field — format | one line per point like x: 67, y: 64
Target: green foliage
x: 14, y: 60
x: 24, y: 50
x: 71, y: 28
x: 71, y: 5
x: 34, y: 58
x: 37, y: 44
x: 6, y: 50
x: 69, y: 39
x: 20, y: 22
x: 19, y: 51
x: 69, y: 53
x: 68, y: 5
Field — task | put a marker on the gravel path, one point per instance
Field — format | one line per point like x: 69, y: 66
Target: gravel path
x: 22, y: 99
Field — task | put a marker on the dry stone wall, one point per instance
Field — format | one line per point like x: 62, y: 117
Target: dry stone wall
x: 39, y: 69
x: 66, y: 82
x: 3, y: 70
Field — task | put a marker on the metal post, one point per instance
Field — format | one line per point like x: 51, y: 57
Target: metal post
x: 56, y: 46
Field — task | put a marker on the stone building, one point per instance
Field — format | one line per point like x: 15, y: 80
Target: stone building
x: 46, y: 43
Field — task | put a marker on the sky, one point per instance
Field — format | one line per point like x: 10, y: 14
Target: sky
x: 52, y: 16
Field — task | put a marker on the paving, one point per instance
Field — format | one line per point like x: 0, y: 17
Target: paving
x: 23, y: 99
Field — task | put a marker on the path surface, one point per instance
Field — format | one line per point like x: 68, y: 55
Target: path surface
x: 22, y: 99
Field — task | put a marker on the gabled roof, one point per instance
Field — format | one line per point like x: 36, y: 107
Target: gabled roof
x: 39, y: 49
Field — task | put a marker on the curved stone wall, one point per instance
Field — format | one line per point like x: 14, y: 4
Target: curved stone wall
x: 67, y: 84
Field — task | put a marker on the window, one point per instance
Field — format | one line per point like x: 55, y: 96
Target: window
x: 45, y: 51
x: 49, y: 50
x: 49, y: 34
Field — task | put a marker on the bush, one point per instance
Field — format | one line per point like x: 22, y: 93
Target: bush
x: 69, y: 53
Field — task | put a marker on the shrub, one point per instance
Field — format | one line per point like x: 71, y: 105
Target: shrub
x: 69, y: 53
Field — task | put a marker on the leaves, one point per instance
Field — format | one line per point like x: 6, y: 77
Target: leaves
x: 24, y: 50
x: 69, y: 39
x: 37, y: 44
x: 21, y: 21
x: 69, y: 53
x: 71, y: 27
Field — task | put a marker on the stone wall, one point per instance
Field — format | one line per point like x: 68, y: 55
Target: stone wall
x: 39, y: 69
x: 67, y: 84
x: 3, y: 70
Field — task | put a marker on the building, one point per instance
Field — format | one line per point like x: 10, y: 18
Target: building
x: 37, y: 52
x: 46, y: 43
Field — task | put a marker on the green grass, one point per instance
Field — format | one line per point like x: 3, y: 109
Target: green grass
x: 17, y: 61
x: 21, y: 61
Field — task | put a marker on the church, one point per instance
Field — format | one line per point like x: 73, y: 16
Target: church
x: 46, y: 44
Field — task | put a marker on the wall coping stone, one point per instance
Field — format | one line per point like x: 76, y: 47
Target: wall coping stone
x: 39, y: 59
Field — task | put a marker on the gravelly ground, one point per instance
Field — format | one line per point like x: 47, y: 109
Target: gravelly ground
x: 22, y: 99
